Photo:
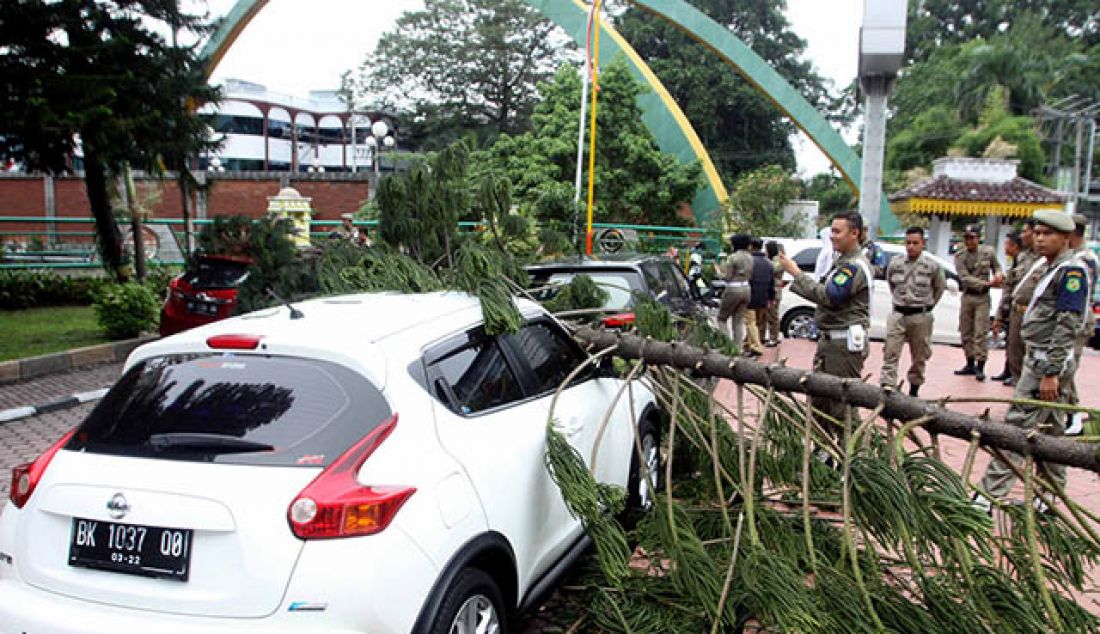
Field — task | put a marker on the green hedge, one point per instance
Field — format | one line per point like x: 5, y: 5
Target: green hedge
x: 36, y: 289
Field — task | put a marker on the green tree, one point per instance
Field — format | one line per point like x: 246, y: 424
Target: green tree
x: 831, y: 192
x: 635, y: 181
x: 101, y: 72
x: 926, y: 139
x: 757, y: 200
x: 463, y: 64
x: 740, y: 128
x: 936, y: 23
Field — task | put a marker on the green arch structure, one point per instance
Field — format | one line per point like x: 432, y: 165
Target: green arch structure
x: 664, y: 118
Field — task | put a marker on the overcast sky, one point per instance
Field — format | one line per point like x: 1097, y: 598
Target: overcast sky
x: 293, y: 46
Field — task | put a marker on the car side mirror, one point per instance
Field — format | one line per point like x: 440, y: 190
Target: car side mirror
x: 952, y: 286
x: 606, y: 367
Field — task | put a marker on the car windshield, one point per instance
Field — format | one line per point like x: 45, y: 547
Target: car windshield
x: 216, y: 274
x: 235, y: 409
x: 620, y: 285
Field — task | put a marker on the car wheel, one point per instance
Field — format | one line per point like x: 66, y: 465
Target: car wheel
x: 472, y: 605
x: 798, y: 323
x: 639, y: 497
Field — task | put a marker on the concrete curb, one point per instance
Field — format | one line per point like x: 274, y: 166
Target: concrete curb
x: 33, y: 367
x: 16, y: 413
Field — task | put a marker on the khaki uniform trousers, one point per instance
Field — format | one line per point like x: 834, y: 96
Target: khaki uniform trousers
x: 832, y: 357
x: 999, y: 477
x: 915, y: 330
x: 1014, y: 344
x: 974, y: 325
x: 731, y: 312
x: 772, y: 326
x: 754, y: 322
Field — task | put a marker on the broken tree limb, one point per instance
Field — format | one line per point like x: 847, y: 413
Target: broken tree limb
x: 1058, y: 450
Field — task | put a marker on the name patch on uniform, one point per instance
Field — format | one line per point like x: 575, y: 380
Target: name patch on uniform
x: 1071, y: 294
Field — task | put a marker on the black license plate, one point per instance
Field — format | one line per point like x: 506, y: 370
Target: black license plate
x: 202, y: 308
x: 151, y: 551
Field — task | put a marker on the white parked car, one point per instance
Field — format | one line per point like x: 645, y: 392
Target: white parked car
x: 366, y: 463
x: 797, y: 315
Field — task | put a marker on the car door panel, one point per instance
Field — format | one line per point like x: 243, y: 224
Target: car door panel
x: 498, y: 434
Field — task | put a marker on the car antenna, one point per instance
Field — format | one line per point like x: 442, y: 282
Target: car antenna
x: 294, y: 312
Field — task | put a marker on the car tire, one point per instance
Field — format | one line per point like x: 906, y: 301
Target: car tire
x: 639, y: 499
x: 472, y: 603
x: 798, y: 323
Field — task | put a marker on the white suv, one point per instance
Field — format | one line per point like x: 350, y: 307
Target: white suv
x: 368, y: 463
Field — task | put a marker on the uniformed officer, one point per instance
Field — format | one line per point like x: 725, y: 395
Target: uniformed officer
x: 735, y: 297
x: 916, y: 283
x: 773, y: 249
x: 874, y: 254
x: 1019, y: 263
x: 1088, y: 256
x: 979, y: 271
x: 843, y: 299
x: 1052, y: 322
x: 1032, y: 266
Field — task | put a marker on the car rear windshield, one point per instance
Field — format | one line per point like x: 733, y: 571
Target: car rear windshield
x: 216, y: 274
x: 234, y: 409
x: 619, y: 284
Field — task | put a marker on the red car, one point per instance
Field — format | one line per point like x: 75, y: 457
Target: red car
x: 205, y: 292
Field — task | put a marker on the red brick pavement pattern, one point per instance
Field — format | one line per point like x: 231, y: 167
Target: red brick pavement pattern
x: 54, y: 387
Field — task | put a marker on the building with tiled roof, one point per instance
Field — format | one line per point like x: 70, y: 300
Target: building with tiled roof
x: 970, y: 187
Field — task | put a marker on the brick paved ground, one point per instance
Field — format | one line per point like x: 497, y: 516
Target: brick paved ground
x: 54, y: 387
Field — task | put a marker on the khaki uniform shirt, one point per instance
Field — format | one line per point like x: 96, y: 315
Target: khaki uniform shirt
x: 915, y: 283
x: 843, y: 296
x: 1088, y: 256
x: 1021, y: 264
x: 1025, y: 286
x: 975, y: 269
x: 1056, y: 315
x: 739, y: 267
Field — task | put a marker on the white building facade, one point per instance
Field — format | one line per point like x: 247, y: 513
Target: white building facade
x: 268, y: 131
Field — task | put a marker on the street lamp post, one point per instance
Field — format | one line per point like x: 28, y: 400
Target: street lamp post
x: 379, y: 129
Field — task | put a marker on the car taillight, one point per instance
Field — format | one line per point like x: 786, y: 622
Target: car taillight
x: 25, y: 477
x: 619, y: 320
x: 336, y: 505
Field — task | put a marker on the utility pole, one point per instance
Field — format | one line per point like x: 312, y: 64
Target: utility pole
x: 1079, y: 115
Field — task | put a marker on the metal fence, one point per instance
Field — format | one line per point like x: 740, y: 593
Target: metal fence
x: 62, y: 242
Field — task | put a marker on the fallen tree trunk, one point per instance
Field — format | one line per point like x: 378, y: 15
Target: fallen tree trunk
x: 898, y: 406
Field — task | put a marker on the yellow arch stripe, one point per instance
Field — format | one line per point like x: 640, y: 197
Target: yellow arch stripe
x: 673, y: 108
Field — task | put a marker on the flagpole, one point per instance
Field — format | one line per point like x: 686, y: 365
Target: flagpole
x: 592, y: 127
x: 585, y: 78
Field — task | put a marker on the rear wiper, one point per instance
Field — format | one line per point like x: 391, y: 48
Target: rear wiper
x: 207, y: 442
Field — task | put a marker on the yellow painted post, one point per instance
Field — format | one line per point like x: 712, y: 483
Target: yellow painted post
x: 592, y: 128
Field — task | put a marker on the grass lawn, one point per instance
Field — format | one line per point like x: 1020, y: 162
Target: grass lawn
x: 35, y: 331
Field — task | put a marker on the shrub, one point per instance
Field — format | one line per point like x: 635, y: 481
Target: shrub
x: 124, y: 310
x: 33, y: 289
x: 37, y: 289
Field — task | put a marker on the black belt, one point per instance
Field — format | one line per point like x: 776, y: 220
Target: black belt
x: 912, y: 310
x: 970, y: 291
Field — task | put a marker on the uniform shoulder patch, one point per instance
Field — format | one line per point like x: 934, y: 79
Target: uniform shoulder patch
x: 844, y: 274
x: 1073, y: 291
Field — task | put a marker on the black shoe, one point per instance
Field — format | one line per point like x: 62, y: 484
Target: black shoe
x: 914, y: 391
x: 966, y: 370
x: 1002, y: 376
x: 979, y: 370
x: 1010, y: 381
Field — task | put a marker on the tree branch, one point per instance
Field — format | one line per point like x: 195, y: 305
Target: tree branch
x: 1041, y: 446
